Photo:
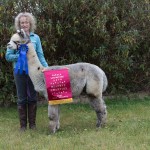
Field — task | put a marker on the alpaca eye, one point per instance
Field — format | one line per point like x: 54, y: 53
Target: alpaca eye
x: 38, y: 68
x: 16, y: 42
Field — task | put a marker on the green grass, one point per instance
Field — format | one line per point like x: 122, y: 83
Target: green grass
x: 128, y: 128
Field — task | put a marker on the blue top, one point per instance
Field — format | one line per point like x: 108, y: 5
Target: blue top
x: 12, y: 55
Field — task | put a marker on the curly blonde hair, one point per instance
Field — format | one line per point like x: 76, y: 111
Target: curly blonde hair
x: 31, y: 18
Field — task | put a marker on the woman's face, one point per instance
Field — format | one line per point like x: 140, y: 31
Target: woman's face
x: 25, y: 24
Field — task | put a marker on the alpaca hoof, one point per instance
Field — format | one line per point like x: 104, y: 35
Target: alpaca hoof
x: 98, y: 125
x: 54, y: 126
x: 52, y: 130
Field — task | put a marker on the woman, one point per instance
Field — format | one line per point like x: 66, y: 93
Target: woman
x: 27, y: 96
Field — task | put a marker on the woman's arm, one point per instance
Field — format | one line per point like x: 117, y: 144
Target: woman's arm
x: 40, y: 53
x: 11, y: 55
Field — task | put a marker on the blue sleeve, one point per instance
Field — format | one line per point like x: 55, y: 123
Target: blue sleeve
x: 40, y: 53
x: 11, y: 55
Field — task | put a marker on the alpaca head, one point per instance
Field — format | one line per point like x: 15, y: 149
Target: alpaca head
x: 18, y: 38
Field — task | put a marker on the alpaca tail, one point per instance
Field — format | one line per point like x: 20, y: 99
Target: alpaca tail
x: 105, y: 82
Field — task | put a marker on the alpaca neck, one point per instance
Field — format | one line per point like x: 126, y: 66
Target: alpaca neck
x: 33, y: 60
x: 35, y: 68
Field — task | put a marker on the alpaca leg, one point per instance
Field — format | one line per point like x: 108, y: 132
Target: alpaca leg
x: 100, y: 108
x: 58, y: 123
x: 53, y: 114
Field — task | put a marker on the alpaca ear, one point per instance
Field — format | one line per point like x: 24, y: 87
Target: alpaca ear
x: 18, y: 31
x: 23, y: 34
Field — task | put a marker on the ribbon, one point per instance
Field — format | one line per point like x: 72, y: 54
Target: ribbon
x: 58, y: 86
x: 22, y: 60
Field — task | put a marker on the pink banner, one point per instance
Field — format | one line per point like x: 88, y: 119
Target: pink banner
x: 58, y: 86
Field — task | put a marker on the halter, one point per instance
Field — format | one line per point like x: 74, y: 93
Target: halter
x: 24, y: 41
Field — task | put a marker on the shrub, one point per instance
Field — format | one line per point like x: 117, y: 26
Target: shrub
x: 111, y: 34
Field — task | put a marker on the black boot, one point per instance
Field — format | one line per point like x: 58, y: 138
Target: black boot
x: 32, y: 115
x: 22, y: 110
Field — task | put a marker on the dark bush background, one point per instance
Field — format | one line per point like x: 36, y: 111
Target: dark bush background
x: 113, y: 34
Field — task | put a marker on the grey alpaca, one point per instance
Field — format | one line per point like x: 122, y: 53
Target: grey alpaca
x: 83, y: 77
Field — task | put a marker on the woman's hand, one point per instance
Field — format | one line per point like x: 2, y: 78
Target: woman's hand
x: 44, y: 69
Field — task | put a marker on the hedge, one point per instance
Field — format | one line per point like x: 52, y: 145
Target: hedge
x: 113, y: 34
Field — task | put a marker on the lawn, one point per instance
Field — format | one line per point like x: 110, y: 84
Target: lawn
x: 128, y: 128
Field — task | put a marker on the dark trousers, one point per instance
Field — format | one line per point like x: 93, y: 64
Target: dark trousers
x: 25, y: 89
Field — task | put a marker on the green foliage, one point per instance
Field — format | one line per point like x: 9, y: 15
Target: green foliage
x: 111, y: 34
x: 7, y: 92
